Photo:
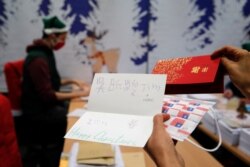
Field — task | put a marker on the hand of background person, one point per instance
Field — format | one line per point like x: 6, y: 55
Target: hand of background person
x: 81, y: 93
x: 81, y: 85
x: 84, y: 90
x: 237, y: 63
x: 72, y: 95
x: 160, y: 145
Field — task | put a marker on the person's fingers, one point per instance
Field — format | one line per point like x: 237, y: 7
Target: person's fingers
x: 227, y: 51
x: 229, y: 65
x: 158, y: 119
x: 216, y: 54
x: 220, y: 52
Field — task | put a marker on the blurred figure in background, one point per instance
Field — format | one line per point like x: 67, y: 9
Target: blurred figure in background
x: 44, y: 110
x: 231, y: 91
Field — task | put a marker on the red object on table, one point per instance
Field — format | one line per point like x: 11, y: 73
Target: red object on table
x: 197, y: 74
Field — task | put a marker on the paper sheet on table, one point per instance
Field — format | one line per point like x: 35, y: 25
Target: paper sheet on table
x: 120, y: 109
x: 84, y: 98
x: 73, y: 156
x: 92, y: 150
x: 232, y: 120
x: 76, y: 113
x: 135, y: 159
x: 97, y: 161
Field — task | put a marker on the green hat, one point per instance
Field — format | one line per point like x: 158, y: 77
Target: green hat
x: 54, y: 25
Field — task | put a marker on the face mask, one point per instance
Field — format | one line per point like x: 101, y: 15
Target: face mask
x: 59, y: 45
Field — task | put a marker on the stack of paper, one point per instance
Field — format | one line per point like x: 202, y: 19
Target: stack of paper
x: 208, y: 97
x: 209, y: 122
x: 232, y: 119
x: 77, y: 154
x: 229, y: 135
x: 77, y: 113
x: 244, y: 144
x: 95, y: 154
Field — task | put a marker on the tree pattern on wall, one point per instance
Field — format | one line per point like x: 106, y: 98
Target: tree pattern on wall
x: 44, y: 8
x: 144, y: 16
x: 204, y: 23
x: 78, y: 9
x: 246, y: 14
x: 3, y: 19
x: 207, y: 20
x: 3, y: 15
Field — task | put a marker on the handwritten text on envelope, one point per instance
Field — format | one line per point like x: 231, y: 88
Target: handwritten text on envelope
x: 121, y: 109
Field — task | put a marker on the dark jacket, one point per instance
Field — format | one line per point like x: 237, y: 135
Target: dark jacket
x: 40, y: 80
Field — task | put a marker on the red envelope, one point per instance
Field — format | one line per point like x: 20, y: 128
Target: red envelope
x: 198, y: 74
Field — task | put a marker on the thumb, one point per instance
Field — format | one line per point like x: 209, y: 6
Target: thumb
x: 159, y: 119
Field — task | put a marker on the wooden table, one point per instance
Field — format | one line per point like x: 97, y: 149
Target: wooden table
x: 193, y: 156
x: 233, y: 149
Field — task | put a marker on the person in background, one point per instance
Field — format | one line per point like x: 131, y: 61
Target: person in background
x: 232, y: 91
x: 160, y: 145
x: 43, y: 105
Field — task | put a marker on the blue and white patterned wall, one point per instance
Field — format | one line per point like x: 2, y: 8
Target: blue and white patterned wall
x: 143, y: 30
